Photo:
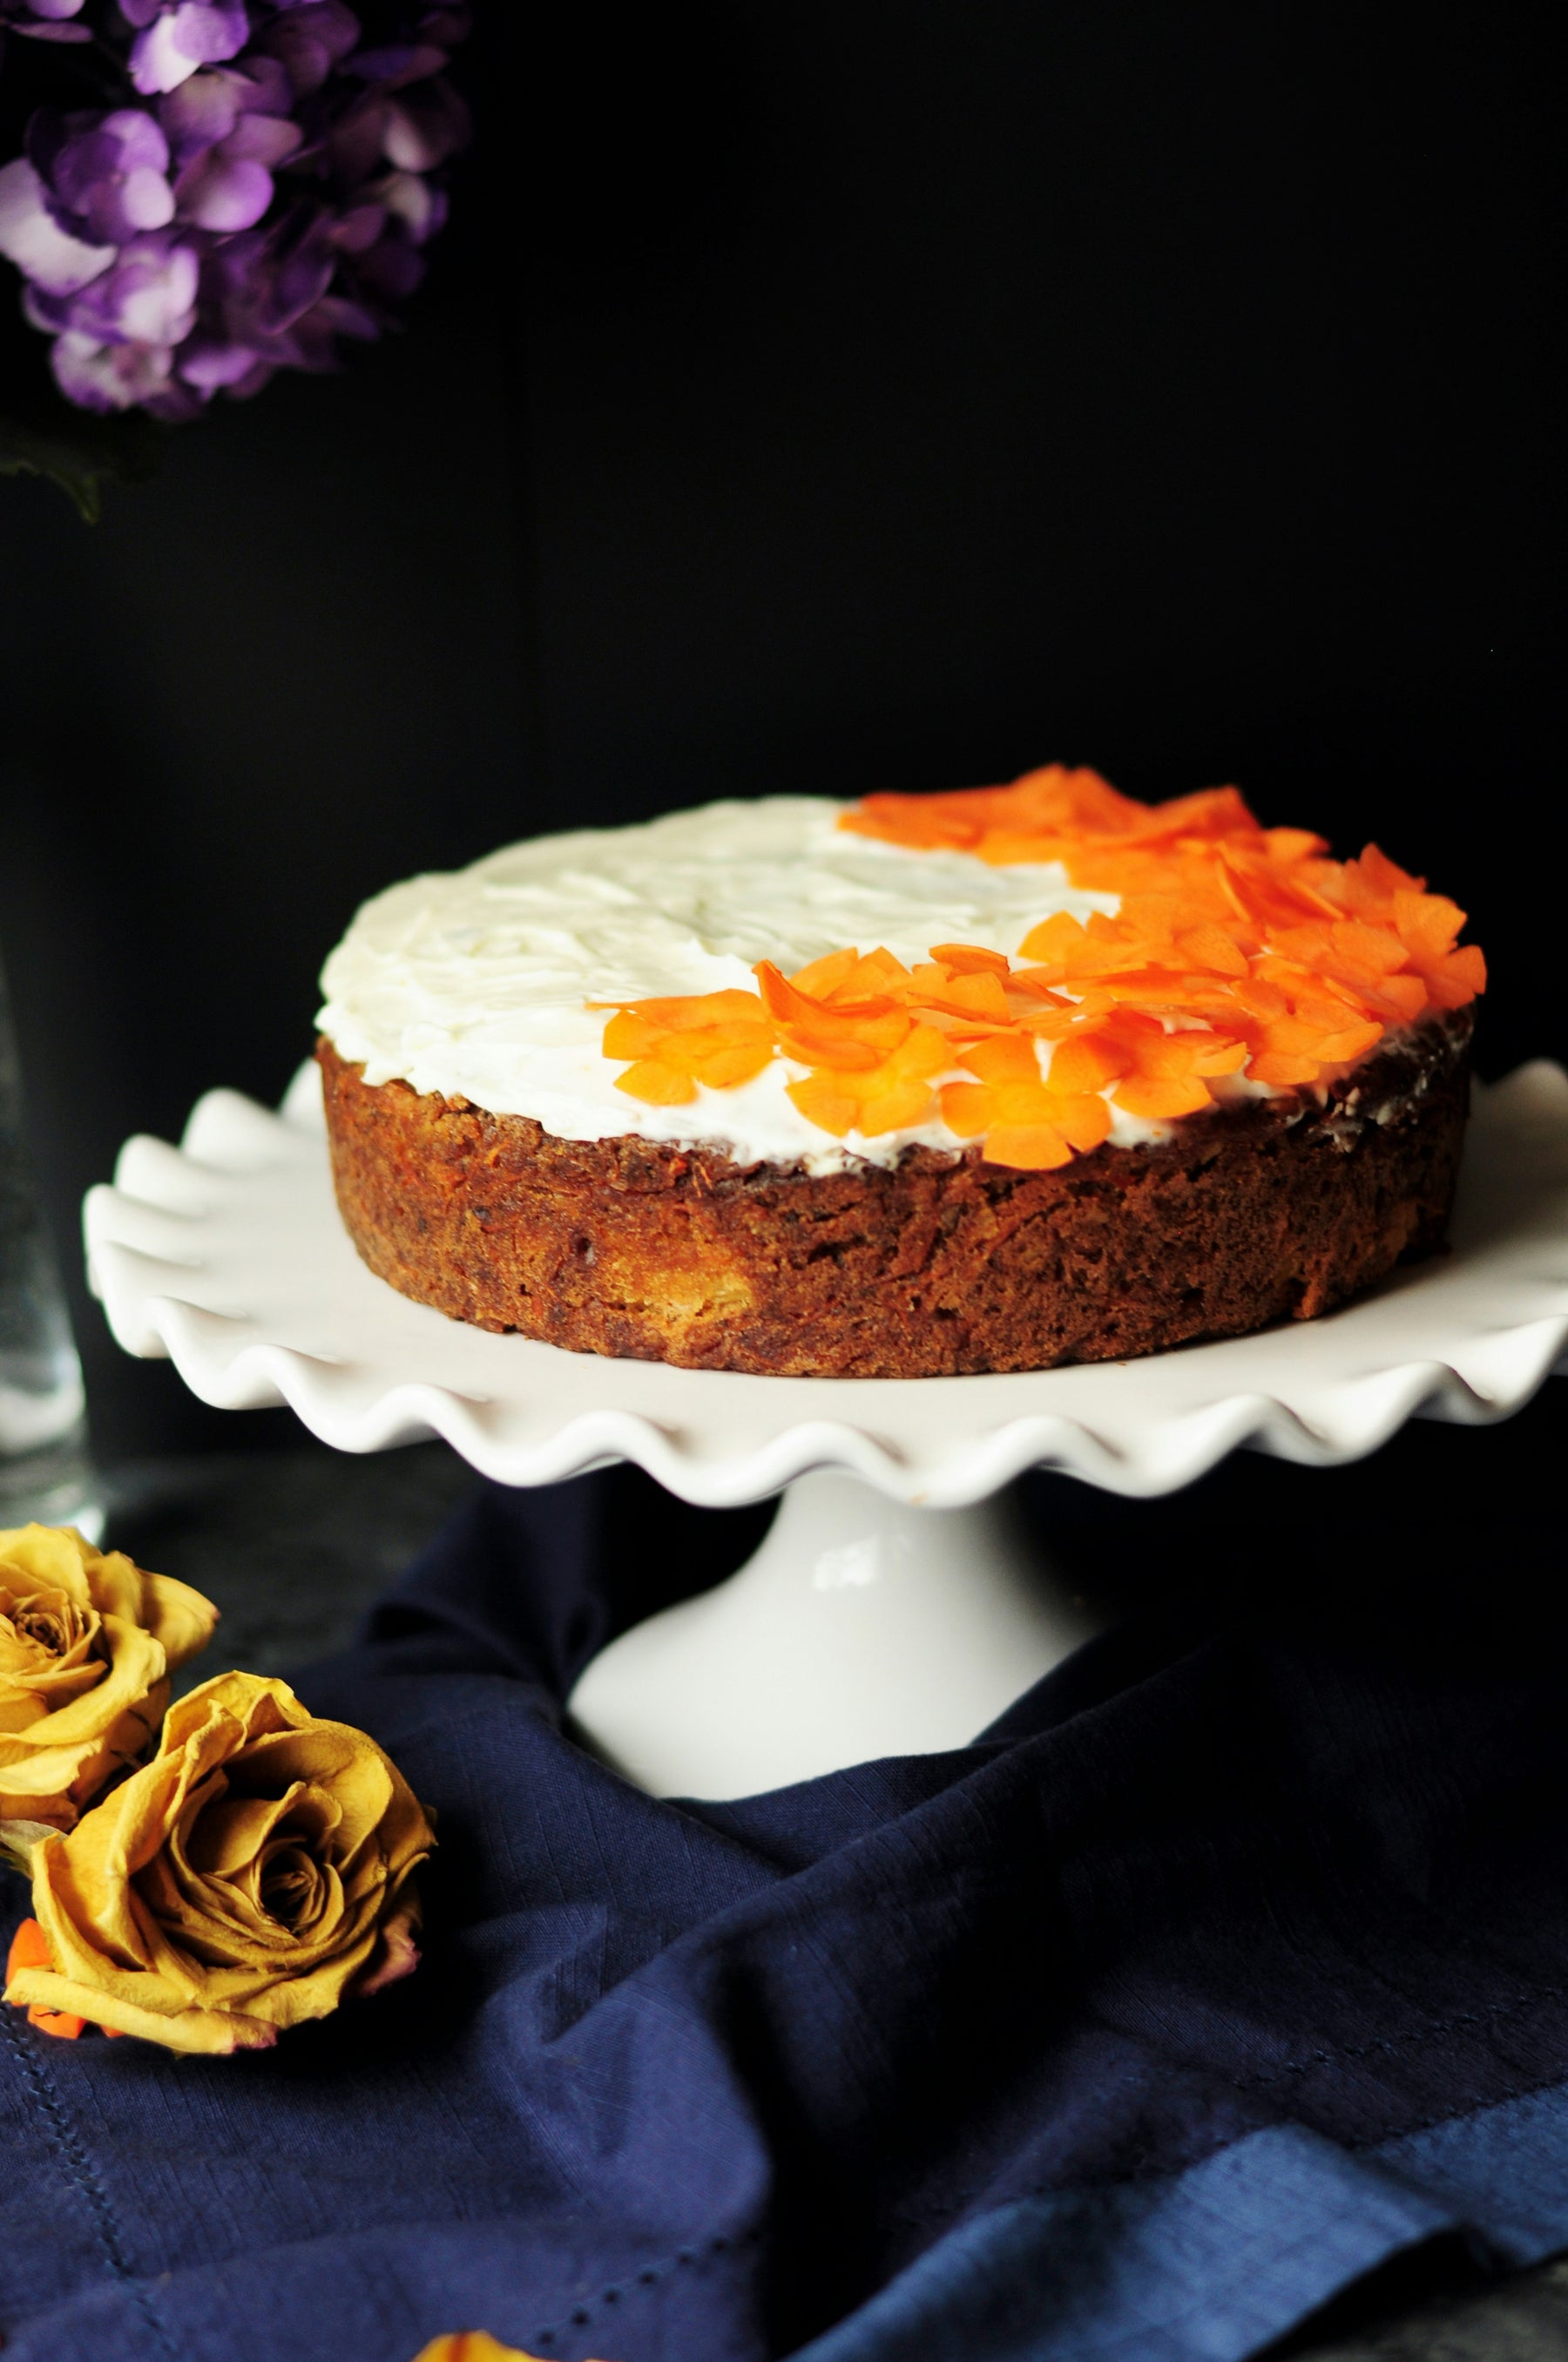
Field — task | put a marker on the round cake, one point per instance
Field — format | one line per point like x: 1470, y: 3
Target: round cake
x: 919, y: 1086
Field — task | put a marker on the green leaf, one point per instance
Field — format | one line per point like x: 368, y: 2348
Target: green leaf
x: 17, y: 1839
x: 79, y: 451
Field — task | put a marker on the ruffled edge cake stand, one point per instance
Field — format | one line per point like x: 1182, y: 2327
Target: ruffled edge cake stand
x: 890, y: 1608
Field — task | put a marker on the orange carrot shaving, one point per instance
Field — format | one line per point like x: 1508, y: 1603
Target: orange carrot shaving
x: 824, y: 976
x: 29, y: 1950
x: 64, y: 2023
x: 717, y: 1038
x: 1236, y: 949
x: 970, y: 959
x: 1031, y: 1147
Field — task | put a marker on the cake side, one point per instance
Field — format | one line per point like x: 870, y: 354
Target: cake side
x: 938, y: 1265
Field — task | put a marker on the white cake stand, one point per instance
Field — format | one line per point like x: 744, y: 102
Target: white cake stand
x: 891, y: 1608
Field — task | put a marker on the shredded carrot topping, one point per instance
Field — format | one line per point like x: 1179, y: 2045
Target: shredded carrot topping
x: 1237, y: 950
x: 29, y: 1950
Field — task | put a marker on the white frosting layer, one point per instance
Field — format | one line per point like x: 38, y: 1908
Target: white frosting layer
x: 474, y: 983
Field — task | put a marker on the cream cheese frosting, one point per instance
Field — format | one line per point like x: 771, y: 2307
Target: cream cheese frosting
x: 476, y: 983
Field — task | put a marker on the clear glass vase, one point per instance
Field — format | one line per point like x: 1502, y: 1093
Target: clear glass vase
x: 45, y: 1470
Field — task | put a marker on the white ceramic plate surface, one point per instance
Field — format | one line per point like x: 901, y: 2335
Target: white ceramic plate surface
x: 228, y: 1254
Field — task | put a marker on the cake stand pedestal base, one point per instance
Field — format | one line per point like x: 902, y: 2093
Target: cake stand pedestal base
x: 862, y: 1627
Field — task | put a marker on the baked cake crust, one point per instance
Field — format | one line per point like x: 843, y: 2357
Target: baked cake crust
x: 934, y: 1266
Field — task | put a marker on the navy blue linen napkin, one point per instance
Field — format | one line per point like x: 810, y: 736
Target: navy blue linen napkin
x: 1229, y: 1964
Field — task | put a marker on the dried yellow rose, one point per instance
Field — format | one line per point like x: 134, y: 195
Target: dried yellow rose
x: 87, y: 1643
x: 241, y: 1882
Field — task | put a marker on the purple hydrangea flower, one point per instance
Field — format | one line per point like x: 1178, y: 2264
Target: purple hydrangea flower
x: 270, y: 195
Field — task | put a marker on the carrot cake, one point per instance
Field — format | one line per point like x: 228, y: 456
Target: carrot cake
x: 912, y: 1086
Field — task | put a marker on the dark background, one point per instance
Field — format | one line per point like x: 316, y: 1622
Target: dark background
x: 821, y: 397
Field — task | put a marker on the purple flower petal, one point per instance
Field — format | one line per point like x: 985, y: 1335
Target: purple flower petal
x: 50, y: 313
x: 270, y: 91
x: 158, y: 62
x: 209, y: 363
x: 146, y: 201
x: 251, y: 383
x: 342, y: 318
x: 210, y: 30
x: 424, y: 128
x: 34, y: 241
x: 156, y: 302
x: 265, y: 139
x: 204, y: 110
x: 47, y: 133
x: 196, y: 33
x: 138, y: 137
x: 311, y: 38
x: 223, y: 192
x: 174, y: 406
x: 357, y: 231
x: 419, y: 208
x: 261, y: 373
